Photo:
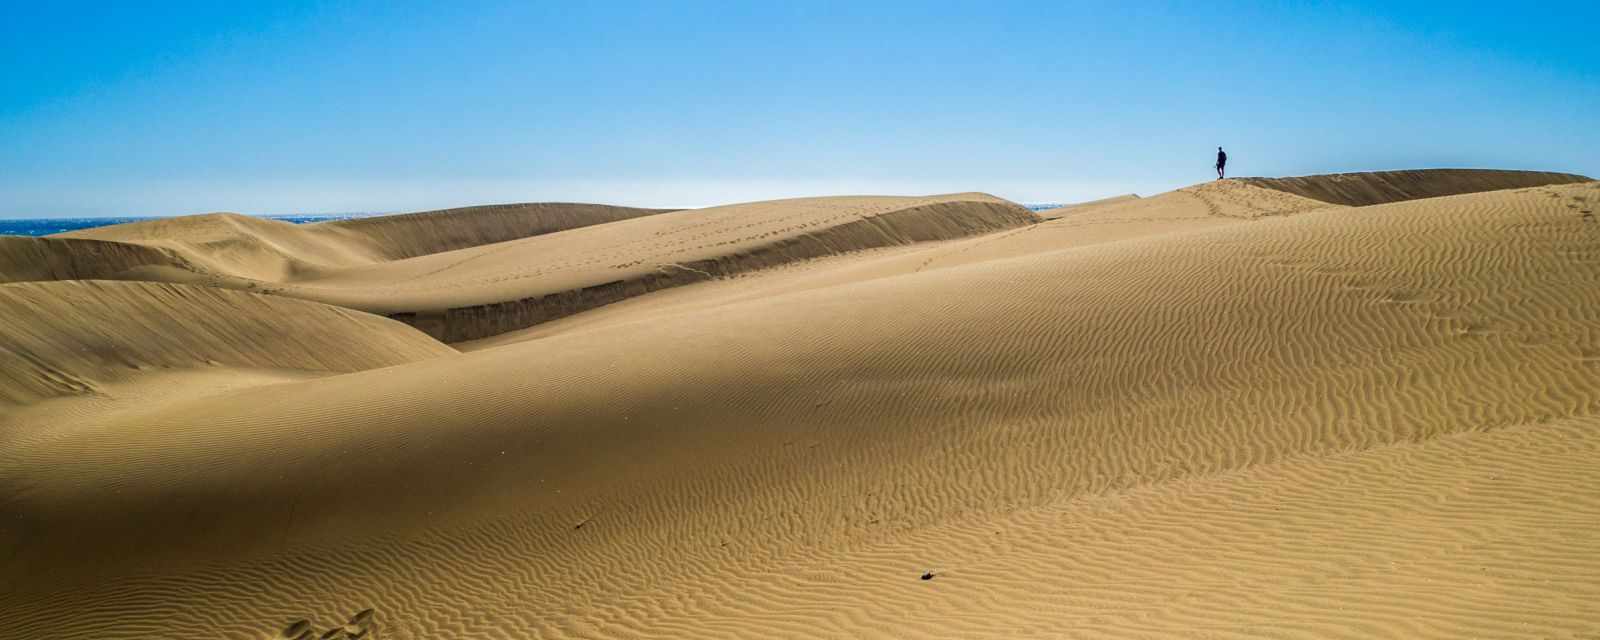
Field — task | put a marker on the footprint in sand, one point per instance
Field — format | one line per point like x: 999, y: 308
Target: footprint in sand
x: 1401, y: 296
x: 297, y: 630
x: 360, y: 626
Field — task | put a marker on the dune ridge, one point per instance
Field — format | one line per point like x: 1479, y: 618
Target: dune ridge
x: 462, y: 274
x: 904, y: 226
x: 1381, y: 187
x: 25, y: 259
x: 70, y: 338
x: 239, y: 247
x: 245, y: 252
x: 482, y: 291
x: 1321, y: 422
x: 416, y: 234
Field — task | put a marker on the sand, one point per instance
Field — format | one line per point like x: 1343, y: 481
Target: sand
x: 473, y: 273
x: 69, y: 338
x: 246, y: 252
x: 1226, y: 411
x: 1380, y: 187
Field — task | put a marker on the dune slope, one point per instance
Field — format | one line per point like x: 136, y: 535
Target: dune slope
x: 483, y: 291
x: 72, y: 337
x: 417, y: 234
x: 1199, y: 207
x: 238, y: 251
x: 1370, y: 422
x: 1379, y: 187
x: 472, y: 273
x: 24, y: 259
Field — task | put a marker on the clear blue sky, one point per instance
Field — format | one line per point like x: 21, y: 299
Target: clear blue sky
x: 385, y: 106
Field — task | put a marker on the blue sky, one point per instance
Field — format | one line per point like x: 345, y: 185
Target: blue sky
x: 388, y: 106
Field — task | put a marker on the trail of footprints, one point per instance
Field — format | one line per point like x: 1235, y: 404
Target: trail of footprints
x: 1249, y: 200
x: 362, y: 625
x: 1579, y: 203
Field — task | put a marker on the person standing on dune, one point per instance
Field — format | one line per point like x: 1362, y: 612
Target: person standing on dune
x: 1222, y: 162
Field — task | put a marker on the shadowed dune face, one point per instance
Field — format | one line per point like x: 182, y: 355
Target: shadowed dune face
x: 71, y: 338
x: 237, y: 251
x: 24, y: 259
x: 1380, y: 187
x: 229, y: 245
x: 418, y: 234
x: 472, y: 273
x: 1289, y: 420
x: 483, y: 291
x: 373, y: 239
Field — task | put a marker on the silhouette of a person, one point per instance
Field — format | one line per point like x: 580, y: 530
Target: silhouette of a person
x: 1222, y: 162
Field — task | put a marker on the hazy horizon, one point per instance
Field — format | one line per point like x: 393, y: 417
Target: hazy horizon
x: 379, y: 107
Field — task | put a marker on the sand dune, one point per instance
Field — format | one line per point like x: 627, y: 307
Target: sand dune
x: 1111, y: 220
x: 419, y: 234
x: 1202, y: 206
x: 70, y: 338
x: 1242, y: 414
x: 1379, y: 187
x: 231, y: 246
x: 472, y: 273
x: 246, y: 252
x: 483, y: 291
x: 1050, y: 213
x: 24, y: 259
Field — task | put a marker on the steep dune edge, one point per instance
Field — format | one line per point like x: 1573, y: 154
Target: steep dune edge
x: 237, y: 247
x: 238, y: 251
x: 25, y: 259
x: 1380, y: 187
x: 906, y: 226
x: 417, y: 234
x: 1374, y: 422
x: 475, y: 272
x: 69, y: 337
x: 483, y: 291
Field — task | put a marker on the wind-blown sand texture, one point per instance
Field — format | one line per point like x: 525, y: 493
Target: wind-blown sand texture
x: 1223, y: 412
x: 1379, y: 187
x: 232, y: 250
x: 483, y: 287
x: 69, y: 337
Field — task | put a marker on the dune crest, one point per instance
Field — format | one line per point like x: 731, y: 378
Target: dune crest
x: 68, y: 338
x: 483, y: 291
x: 1381, y: 187
x: 417, y: 234
x: 245, y: 252
x: 27, y: 259
x: 470, y: 273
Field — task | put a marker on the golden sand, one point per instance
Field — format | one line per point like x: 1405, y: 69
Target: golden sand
x: 1227, y: 411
